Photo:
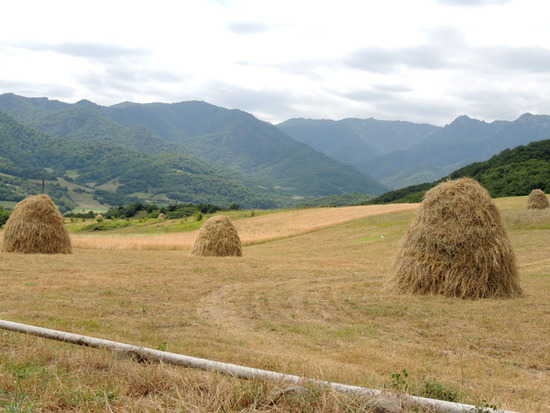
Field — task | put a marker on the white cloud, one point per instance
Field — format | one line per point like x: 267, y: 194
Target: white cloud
x: 246, y: 27
x: 424, y: 61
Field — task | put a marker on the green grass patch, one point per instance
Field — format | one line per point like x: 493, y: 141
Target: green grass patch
x: 8, y: 204
x: 424, y: 387
x: 151, y: 227
x: 105, y: 226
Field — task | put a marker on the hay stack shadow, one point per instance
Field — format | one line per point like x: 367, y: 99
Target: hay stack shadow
x: 537, y: 200
x: 36, y: 227
x: 456, y: 246
x: 217, y: 238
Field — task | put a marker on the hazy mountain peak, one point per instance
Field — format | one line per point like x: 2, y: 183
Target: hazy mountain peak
x: 464, y: 120
x: 526, y: 117
x: 86, y: 103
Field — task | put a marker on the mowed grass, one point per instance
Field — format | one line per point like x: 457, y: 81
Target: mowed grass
x: 305, y: 300
x: 258, y: 228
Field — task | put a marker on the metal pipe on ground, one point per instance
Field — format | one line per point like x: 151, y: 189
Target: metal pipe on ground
x: 234, y: 370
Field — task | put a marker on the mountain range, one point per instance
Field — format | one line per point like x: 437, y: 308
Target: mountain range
x: 512, y: 172
x: 183, y: 152
x: 400, y: 154
x: 200, y: 153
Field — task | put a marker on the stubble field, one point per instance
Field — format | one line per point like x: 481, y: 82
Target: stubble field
x: 306, y: 298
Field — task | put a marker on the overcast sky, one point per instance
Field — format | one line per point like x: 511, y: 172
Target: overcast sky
x: 416, y: 60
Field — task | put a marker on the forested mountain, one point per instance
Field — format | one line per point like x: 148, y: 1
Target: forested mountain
x: 239, y: 141
x: 354, y: 140
x: 513, y: 172
x: 235, y: 141
x: 81, y: 121
x: 460, y: 143
x: 28, y: 156
x: 197, y: 152
x: 399, y: 154
x: 114, y: 154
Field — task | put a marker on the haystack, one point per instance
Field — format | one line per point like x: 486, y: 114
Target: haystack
x: 162, y: 217
x: 217, y: 238
x: 537, y: 200
x: 36, y: 226
x: 456, y: 246
x: 99, y: 218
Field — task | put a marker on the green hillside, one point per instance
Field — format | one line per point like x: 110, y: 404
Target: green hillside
x: 354, y: 140
x: 237, y: 140
x: 28, y: 156
x: 81, y: 121
x: 456, y: 145
x: 513, y: 172
x: 279, y: 163
x: 240, y: 145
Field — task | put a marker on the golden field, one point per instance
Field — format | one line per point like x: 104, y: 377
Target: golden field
x: 306, y: 298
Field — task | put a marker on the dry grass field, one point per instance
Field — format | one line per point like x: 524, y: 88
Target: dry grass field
x: 306, y: 298
x: 254, y: 230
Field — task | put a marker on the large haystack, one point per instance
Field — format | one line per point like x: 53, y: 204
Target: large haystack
x: 537, y: 200
x: 36, y: 226
x: 456, y: 246
x: 217, y: 238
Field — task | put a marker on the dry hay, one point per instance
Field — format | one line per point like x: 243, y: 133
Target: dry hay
x: 162, y: 217
x: 217, y: 238
x: 36, y: 226
x: 456, y: 246
x: 537, y: 200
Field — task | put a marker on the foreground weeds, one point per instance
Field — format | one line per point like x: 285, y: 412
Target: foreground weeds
x: 57, y: 378
x: 424, y: 387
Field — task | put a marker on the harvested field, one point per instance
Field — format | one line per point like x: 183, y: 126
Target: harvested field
x: 309, y: 303
x: 251, y: 230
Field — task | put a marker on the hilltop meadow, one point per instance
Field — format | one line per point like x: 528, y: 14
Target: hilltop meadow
x: 306, y: 298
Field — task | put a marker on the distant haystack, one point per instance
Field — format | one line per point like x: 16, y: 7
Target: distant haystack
x: 456, y: 246
x: 537, y: 200
x: 99, y: 218
x: 36, y: 226
x: 217, y: 238
x: 162, y: 217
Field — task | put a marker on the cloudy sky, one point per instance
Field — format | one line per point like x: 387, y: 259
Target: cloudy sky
x: 421, y: 61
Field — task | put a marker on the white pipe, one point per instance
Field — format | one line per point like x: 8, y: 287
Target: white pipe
x: 230, y: 369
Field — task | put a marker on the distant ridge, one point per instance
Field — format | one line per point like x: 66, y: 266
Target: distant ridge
x: 512, y: 172
x: 417, y: 153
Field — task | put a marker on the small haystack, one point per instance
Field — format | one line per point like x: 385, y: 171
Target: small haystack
x: 456, y: 246
x: 217, y: 238
x: 36, y: 226
x: 99, y: 218
x: 162, y: 217
x: 537, y: 200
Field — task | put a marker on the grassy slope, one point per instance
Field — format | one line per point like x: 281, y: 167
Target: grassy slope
x: 310, y: 304
x: 84, y: 200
